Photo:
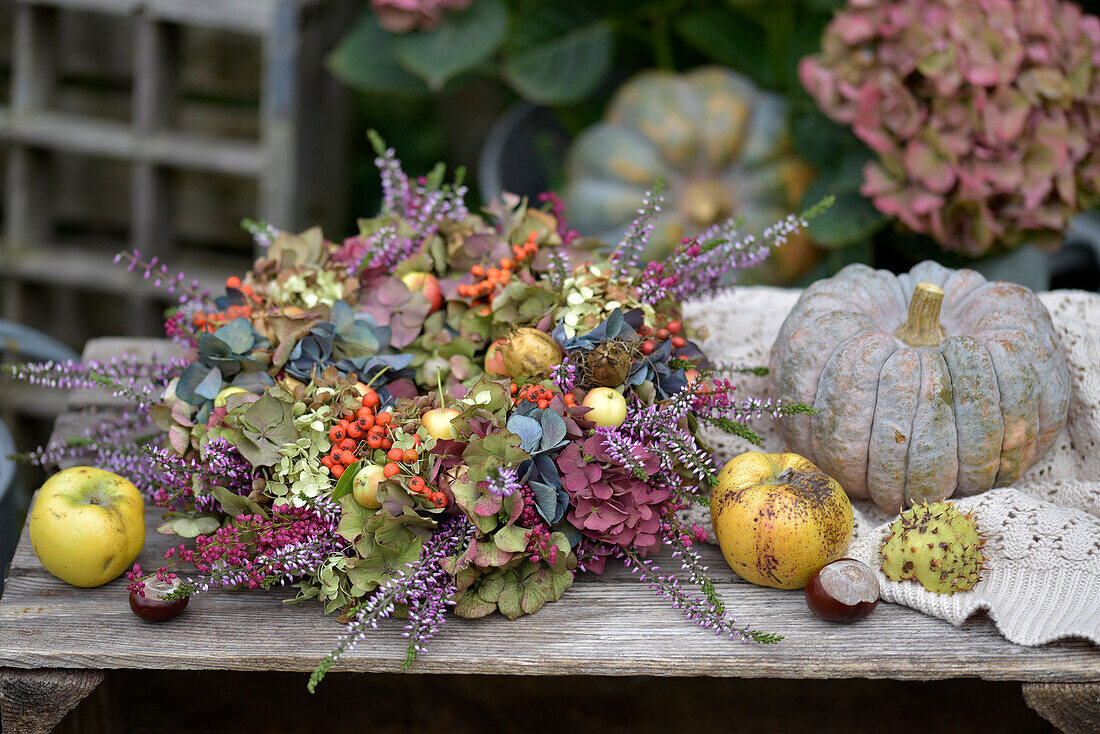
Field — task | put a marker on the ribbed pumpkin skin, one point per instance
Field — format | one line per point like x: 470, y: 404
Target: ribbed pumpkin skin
x: 717, y: 141
x: 900, y: 424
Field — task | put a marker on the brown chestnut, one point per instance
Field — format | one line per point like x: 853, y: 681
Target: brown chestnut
x: 843, y: 591
x: 152, y: 607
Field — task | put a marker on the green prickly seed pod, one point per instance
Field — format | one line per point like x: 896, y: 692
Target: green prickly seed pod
x: 936, y: 545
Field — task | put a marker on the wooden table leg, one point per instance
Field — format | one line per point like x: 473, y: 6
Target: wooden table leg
x: 1072, y: 707
x: 33, y: 701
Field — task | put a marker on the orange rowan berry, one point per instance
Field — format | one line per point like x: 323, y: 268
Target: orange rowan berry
x: 506, y: 263
x: 477, y: 271
x: 416, y: 484
x: 409, y: 456
x: 395, y: 454
x: 390, y: 470
x: 337, y: 470
x: 233, y: 281
x: 354, y: 431
x: 383, y: 418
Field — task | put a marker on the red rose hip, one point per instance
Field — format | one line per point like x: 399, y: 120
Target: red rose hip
x: 843, y: 591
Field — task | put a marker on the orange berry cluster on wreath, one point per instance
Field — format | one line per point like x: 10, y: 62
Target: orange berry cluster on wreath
x: 490, y: 279
x: 211, y: 320
x: 539, y: 395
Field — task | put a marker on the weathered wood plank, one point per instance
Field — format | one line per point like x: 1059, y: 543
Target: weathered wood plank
x: 1072, y: 707
x: 35, y: 701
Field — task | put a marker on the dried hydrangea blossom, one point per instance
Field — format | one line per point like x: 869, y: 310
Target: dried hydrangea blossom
x: 984, y: 114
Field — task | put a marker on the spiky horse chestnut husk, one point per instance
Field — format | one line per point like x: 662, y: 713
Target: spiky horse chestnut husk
x: 935, y: 545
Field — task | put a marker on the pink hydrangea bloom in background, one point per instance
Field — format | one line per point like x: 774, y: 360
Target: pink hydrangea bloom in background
x: 984, y: 114
x: 404, y: 16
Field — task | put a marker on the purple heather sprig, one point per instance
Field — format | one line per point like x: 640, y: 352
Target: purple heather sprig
x: 424, y: 587
x: 263, y: 233
x: 504, y: 482
x: 703, y: 266
x: 558, y: 268
x: 564, y: 375
x: 695, y: 608
x: 158, y: 272
x: 628, y: 254
x: 222, y: 465
x: 423, y: 204
x: 126, y: 376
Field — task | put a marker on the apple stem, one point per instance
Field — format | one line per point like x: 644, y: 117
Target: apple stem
x: 439, y: 386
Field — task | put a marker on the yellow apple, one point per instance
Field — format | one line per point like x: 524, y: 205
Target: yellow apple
x: 608, y: 407
x: 438, y: 422
x: 365, y: 486
x: 87, y: 525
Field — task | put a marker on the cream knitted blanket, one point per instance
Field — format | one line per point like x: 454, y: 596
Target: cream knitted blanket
x: 1043, y: 549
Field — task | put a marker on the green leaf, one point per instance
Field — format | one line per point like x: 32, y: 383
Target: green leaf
x: 850, y: 219
x: 464, y: 41
x: 471, y: 606
x: 560, y: 582
x: 511, y: 538
x: 490, y: 586
x: 234, y: 504
x: 189, y: 527
x: 353, y: 519
x: 510, y: 601
x: 238, y: 334
x: 730, y: 39
x: 344, y: 484
x: 553, y: 59
x: 488, y: 555
x: 364, y: 59
x: 821, y: 141
x: 485, y: 455
x: 536, y: 590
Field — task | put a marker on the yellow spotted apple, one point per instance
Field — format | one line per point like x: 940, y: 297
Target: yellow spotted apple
x: 778, y: 518
x: 608, y: 407
x: 87, y: 525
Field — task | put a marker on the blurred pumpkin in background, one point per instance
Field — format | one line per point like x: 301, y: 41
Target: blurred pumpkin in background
x: 719, y: 143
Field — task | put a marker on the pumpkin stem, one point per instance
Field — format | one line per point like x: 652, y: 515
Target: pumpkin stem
x: 923, y: 328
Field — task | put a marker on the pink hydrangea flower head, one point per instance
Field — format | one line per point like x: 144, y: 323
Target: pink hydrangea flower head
x: 984, y: 115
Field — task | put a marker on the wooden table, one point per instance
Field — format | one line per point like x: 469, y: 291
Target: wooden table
x: 56, y: 641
